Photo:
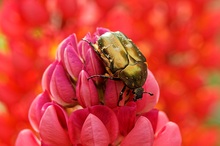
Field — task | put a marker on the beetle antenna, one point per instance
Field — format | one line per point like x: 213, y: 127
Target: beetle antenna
x: 151, y: 94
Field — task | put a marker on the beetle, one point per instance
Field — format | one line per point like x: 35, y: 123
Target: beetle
x: 123, y: 61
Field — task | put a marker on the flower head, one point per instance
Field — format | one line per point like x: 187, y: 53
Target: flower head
x: 76, y: 110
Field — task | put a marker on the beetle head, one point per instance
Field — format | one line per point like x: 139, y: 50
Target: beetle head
x: 138, y: 92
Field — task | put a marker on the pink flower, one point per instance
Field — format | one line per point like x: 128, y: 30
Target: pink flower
x: 75, y: 110
x: 166, y: 133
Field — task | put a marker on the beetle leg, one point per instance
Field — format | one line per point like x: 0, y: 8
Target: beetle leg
x: 121, y: 93
x: 103, y: 76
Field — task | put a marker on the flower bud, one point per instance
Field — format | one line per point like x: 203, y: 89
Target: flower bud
x: 94, y: 65
x: 98, y: 123
x: 27, y: 137
x: 86, y: 90
x: 36, y: 109
x: 61, y: 87
x: 53, y: 126
x: 69, y: 41
x: 72, y: 62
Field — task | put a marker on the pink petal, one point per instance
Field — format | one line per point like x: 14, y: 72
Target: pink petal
x: 72, y: 41
x: 27, y: 138
x: 86, y: 91
x: 35, y: 111
x: 47, y: 76
x: 53, y: 127
x: 75, y: 123
x: 169, y: 135
x: 108, y: 118
x: 105, y: 114
x: 162, y: 121
x: 148, y: 102
x: 94, y: 132
x: 61, y: 87
x: 83, y: 47
x: 72, y: 62
x: 126, y: 116
x: 100, y: 31
x: 112, y: 92
x: 140, y: 135
x: 93, y: 65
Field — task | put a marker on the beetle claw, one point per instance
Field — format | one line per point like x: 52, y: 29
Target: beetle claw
x: 151, y: 94
x: 121, y: 94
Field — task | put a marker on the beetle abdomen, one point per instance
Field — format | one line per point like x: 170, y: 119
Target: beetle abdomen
x: 134, y: 76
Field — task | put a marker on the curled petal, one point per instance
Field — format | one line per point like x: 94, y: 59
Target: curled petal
x: 72, y: 62
x: 112, y: 92
x: 36, y: 109
x: 83, y: 47
x: 26, y: 137
x: 72, y: 41
x: 61, y: 87
x: 94, y: 132
x: 141, y: 135
x: 86, y: 91
x: 148, y: 102
x: 53, y: 127
x: 100, y: 31
x: 93, y: 65
x: 47, y: 76
x: 168, y: 135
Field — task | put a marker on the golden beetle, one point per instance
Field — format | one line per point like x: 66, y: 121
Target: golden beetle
x: 123, y: 61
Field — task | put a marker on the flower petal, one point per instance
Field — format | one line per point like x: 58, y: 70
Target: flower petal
x: 35, y: 111
x: 86, y: 90
x: 162, y: 120
x: 168, y: 135
x: 53, y: 127
x: 105, y: 114
x: 83, y: 47
x: 72, y: 62
x: 109, y: 119
x: 126, y: 116
x: 141, y: 134
x: 72, y: 41
x: 94, y: 132
x: 61, y: 87
x: 148, y: 102
x: 26, y: 137
x: 93, y: 65
x: 100, y: 31
x: 75, y: 123
x: 112, y: 92
x: 47, y: 76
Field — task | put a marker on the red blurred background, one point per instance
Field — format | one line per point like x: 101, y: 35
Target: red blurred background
x: 181, y: 40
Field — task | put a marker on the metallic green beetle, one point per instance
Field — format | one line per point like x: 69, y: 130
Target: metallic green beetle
x: 123, y: 61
